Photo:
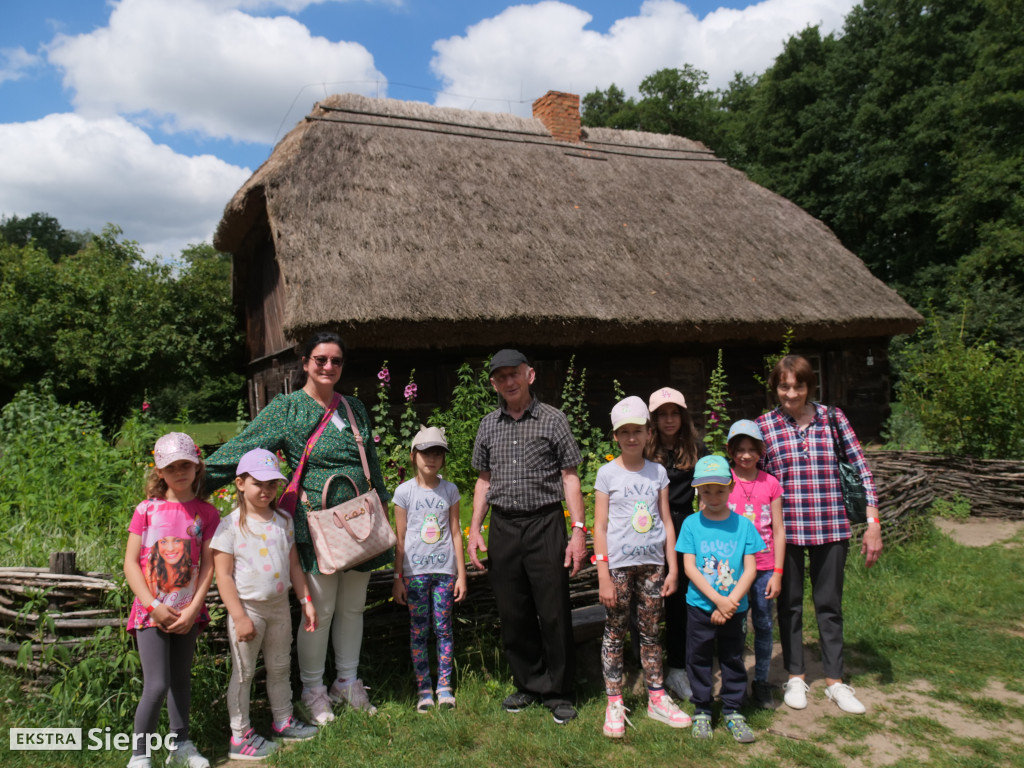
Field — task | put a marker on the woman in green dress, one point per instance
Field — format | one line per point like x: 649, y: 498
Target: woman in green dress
x: 285, y: 425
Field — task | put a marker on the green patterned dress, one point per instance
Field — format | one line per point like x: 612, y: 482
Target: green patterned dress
x: 285, y: 425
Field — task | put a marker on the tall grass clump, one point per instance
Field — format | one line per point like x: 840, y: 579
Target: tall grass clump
x: 62, y: 477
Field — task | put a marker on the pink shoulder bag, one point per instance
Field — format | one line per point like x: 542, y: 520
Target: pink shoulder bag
x: 354, y: 531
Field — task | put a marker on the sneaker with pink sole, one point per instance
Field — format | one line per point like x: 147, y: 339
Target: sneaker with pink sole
x: 664, y: 710
x: 353, y: 693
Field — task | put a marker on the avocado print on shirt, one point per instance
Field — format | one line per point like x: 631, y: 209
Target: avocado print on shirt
x: 642, y: 520
x: 430, y: 531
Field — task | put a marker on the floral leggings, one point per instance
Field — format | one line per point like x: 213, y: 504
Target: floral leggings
x: 645, y: 581
x: 422, y: 591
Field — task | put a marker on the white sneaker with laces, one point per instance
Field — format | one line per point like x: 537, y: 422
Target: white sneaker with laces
x: 353, y: 693
x: 316, y: 700
x: 795, y: 693
x: 187, y: 755
x: 615, y: 720
x: 842, y: 695
x: 677, y: 682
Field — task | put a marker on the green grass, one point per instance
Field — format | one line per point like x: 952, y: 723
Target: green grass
x: 930, y: 611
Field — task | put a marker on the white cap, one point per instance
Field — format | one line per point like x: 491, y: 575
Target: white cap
x: 632, y: 410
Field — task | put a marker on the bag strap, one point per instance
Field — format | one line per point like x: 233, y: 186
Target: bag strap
x: 359, y: 442
x: 834, y: 425
x: 290, y: 496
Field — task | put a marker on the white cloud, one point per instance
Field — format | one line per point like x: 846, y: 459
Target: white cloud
x: 185, y: 65
x: 90, y: 172
x: 14, y: 62
x: 291, y: 6
x: 527, y: 50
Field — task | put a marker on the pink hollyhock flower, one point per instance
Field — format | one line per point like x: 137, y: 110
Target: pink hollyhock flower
x: 145, y: 406
x: 384, y: 375
x: 410, y: 392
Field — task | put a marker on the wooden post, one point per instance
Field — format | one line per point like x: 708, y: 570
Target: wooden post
x: 63, y: 563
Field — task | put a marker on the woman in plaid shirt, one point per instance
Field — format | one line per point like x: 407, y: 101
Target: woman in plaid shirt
x: 799, y: 453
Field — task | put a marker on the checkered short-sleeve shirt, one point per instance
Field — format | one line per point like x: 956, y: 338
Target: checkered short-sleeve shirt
x: 525, y: 456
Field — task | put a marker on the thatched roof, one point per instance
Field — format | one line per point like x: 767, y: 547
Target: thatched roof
x: 408, y: 225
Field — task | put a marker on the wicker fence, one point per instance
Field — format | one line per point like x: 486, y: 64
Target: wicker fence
x: 40, y: 608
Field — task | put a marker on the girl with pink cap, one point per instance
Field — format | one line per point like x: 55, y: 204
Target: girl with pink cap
x: 169, y: 567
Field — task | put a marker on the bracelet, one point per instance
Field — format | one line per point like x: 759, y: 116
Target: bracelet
x: 307, y: 599
x: 581, y: 526
x: 778, y: 570
x: 152, y: 606
x: 596, y: 558
x: 398, y: 576
x: 874, y: 520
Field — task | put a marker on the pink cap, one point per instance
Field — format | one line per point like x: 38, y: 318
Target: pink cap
x: 666, y: 395
x: 175, y: 446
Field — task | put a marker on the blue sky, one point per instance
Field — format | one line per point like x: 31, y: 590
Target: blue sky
x: 149, y: 114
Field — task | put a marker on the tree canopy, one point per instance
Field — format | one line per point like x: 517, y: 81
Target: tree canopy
x: 902, y: 133
x: 110, y: 328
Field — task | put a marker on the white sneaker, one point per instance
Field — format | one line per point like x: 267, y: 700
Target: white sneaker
x: 316, y: 700
x: 352, y: 693
x: 795, y: 693
x: 187, y: 755
x: 140, y: 761
x: 677, y: 682
x: 842, y: 695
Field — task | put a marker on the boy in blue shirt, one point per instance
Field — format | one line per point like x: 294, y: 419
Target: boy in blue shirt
x: 718, y: 556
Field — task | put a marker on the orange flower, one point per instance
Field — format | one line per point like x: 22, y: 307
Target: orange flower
x: 608, y: 457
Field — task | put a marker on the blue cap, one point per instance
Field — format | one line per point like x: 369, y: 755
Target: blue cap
x: 745, y: 427
x: 711, y: 470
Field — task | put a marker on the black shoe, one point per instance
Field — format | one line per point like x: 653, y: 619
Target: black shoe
x: 763, y: 694
x: 563, y: 713
x: 518, y: 701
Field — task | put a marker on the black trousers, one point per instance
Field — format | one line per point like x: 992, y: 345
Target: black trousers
x: 706, y: 640
x: 675, y: 610
x: 828, y: 565
x: 531, y: 590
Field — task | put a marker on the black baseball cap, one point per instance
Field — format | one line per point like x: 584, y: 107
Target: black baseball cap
x: 508, y: 358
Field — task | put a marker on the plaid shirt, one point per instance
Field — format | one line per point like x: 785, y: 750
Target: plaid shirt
x: 525, y: 457
x: 804, y: 463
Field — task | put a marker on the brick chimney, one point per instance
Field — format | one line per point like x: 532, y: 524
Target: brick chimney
x: 560, y: 113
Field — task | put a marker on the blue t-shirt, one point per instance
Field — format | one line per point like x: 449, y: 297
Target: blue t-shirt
x: 719, y: 547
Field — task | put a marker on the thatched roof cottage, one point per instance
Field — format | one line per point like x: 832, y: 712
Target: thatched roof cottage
x: 430, y: 235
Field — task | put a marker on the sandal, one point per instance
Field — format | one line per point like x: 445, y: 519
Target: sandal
x: 425, y: 702
x: 702, y: 726
x: 737, y: 725
x: 445, y: 698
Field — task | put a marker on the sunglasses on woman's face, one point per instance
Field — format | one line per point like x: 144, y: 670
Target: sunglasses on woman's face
x: 321, y: 361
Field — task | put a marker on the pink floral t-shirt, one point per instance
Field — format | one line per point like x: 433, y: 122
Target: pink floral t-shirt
x: 172, y: 545
x: 753, y: 500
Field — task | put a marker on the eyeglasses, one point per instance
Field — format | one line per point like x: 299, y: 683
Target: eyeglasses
x: 321, y: 361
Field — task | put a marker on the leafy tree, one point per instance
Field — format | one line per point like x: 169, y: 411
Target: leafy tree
x: 44, y: 232
x: 672, y: 101
x: 109, y: 328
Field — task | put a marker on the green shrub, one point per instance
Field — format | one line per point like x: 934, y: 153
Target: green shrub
x: 968, y: 398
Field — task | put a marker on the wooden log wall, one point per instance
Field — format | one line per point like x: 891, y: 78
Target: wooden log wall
x: 44, y: 609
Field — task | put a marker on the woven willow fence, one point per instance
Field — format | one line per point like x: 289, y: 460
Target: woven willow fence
x: 40, y: 609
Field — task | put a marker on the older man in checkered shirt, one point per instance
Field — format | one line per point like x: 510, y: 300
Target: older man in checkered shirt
x: 527, y: 457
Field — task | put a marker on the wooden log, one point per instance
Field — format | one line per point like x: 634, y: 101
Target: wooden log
x: 63, y: 562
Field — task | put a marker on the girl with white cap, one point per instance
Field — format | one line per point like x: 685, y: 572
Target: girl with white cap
x: 632, y: 533
x: 430, y: 565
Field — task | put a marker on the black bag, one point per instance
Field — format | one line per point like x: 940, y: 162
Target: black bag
x: 855, y: 498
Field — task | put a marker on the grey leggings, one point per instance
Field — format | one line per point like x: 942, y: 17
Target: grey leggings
x: 166, y: 672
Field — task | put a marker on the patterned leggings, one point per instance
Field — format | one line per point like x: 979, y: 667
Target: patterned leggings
x: 421, y: 591
x: 645, y: 582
